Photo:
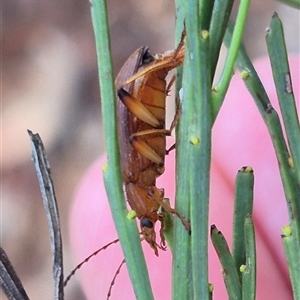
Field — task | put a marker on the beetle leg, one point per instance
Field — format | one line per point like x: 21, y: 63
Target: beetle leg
x: 174, y: 123
x: 147, y: 152
x: 170, y: 149
x: 137, y: 108
x: 161, y: 215
x: 162, y: 236
x: 153, y: 131
x: 171, y: 82
x: 176, y: 117
x: 143, y: 148
x: 171, y: 210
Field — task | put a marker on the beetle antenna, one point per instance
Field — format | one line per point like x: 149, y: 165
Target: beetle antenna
x: 86, y: 260
x: 114, y: 279
x: 118, y: 272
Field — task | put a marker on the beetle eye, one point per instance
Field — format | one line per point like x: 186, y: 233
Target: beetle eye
x: 147, y: 57
x: 146, y: 223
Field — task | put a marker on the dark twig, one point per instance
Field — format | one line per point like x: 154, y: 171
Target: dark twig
x: 43, y: 172
x: 10, y: 283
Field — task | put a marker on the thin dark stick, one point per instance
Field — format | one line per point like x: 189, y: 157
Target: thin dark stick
x: 11, y: 284
x: 43, y: 172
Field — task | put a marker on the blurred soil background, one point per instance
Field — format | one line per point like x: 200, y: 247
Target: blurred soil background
x: 50, y: 86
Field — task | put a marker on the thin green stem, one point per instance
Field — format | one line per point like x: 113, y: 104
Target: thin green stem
x: 182, y: 289
x: 205, y: 13
x: 249, y: 275
x: 221, y: 88
x: 196, y: 94
x: 220, y: 16
x: 243, y: 204
x: 193, y: 154
x: 287, y: 173
x: 283, y: 82
x: 230, y: 273
x: 291, y: 248
x: 270, y: 116
x: 181, y: 266
x: 127, y: 230
x: 180, y: 19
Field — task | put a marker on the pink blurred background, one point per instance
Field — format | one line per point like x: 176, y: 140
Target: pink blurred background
x: 50, y: 86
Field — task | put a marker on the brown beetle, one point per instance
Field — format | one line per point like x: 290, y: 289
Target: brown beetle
x: 142, y: 90
x: 141, y: 101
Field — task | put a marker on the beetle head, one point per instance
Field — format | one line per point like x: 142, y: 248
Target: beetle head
x: 147, y: 227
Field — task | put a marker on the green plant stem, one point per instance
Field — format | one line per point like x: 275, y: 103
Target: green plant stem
x: 249, y: 276
x: 289, y: 179
x: 181, y: 272
x: 220, y: 16
x: 283, y: 82
x: 243, y: 204
x: 197, y: 94
x: 291, y: 248
x: 181, y: 265
x: 193, y: 154
x: 230, y: 273
x: 180, y: 19
x: 200, y: 181
x: 221, y: 88
x: 127, y: 230
x: 169, y: 227
x: 270, y: 116
x: 205, y: 13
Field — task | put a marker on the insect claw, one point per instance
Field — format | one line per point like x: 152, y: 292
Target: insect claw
x: 163, y: 246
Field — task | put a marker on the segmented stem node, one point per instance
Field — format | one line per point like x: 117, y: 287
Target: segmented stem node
x: 131, y: 214
x: 194, y: 140
x: 287, y: 230
x: 245, y: 74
